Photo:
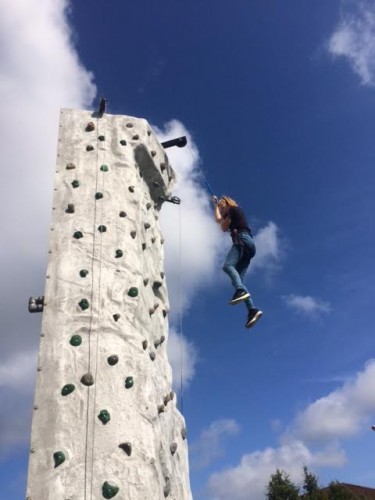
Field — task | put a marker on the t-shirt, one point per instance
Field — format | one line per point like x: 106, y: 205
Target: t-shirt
x: 237, y: 221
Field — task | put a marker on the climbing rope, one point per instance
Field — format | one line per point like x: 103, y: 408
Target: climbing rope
x: 201, y: 172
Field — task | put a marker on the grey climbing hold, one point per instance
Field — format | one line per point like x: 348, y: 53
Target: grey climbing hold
x: 163, y: 166
x: 112, y: 360
x: 173, y: 448
x: 162, y: 241
x: 147, y: 225
x: 70, y: 166
x: 151, y: 311
x: 148, y: 206
x: 126, y: 447
x: 133, y: 234
x: 70, y: 209
x: 104, y: 416
x: 144, y: 344
x: 84, y: 304
x: 116, y: 317
x: 129, y: 125
x: 131, y: 189
x: 183, y: 433
x: 101, y: 138
x: 118, y: 254
x: 75, y: 183
x: 87, y: 379
x: 67, y: 389
x: 83, y: 273
x: 58, y: 458
x: 76, y: 340
x: 109, y: 490
x: 153, y: 240
x: 143, y: 246
x: 122, y: 214
x: 152, y: 356
x: 167, y: 487
x: 164, y: 313
x: 145, y: 281
x: 162, y: 274
x: 129, y: 382
x: 161, y: 409
x: 77, y: 235
x: 89, y: 148
x: 102, y: 229
x: 90, y: 127
x: 98, y: 196
x: 135, y: 137
x: 153, y: 153
x: 104, y: 168
x: 156, y: 285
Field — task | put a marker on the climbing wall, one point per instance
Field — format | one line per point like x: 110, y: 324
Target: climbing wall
x: 105, y: 422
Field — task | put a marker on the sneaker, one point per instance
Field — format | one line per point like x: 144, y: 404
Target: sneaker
x: 252, y: 318
x: 238, y: 296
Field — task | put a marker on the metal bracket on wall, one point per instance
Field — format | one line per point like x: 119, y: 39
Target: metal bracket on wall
x: 172, y: 199
x: 36, y: 304
x: 180, y: 142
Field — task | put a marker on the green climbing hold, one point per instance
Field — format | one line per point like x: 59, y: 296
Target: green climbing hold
x: 98, y: 196
x: 104, y: 168
x: 77, y: 235
x: 129, y: 382
x: 133, y: 292
x: 76, y: 340
x: 75, y: 183
x: 104, y: 417
x: 67, y: 389
x: 123, y: 142
x: 119, y: 254
x: 83, y: 273
x: 109, y: 490
x: 102, y: 229
x: 101, y: 138
x: 84, y: 304
x: 58, y: 458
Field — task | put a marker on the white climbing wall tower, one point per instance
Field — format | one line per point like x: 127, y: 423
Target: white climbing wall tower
x: 105, y: 421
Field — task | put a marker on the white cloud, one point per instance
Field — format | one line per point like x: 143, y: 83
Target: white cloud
x: 307, y: 305
x: 210, y: 444
x: 354, y: 39
x: 269, y: 248
x: 315, y: 439
x: 18, y: 372
x: 183, y: 357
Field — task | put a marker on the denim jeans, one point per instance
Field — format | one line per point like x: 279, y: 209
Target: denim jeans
x: 238, y: 260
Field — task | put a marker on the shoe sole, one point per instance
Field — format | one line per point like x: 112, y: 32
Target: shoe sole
x: 251, y: 323
x: 240, y: 299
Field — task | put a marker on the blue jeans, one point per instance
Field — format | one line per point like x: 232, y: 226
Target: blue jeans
x: 237, y: 262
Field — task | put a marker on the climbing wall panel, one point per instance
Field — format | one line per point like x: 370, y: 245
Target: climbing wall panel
x: 105, y: 421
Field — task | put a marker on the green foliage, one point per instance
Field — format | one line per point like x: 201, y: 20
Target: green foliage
x: 310, y: 486
x: 280, y: 487
x: 337, y: 492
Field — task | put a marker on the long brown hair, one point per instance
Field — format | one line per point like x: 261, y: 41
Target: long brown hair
x: 229, y: 201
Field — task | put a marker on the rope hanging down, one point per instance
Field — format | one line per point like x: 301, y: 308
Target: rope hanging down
x: 202, y: 173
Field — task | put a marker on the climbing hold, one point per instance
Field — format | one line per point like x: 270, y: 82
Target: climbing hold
x: 70, y: 209
x: 104, y: 168
x: 122, y: 214
x: 116, y: 317
x: 173, y: 448
x: 129, y: 125
x: 143, y: 246
x: 87, y: 379
x: 148, y: 206
x: 162, y: 275
x: 129, y: 382
x: 101, y: 138
x: 144, y: 344
x: 162, y: 240
x: 67, y: 389
x: 77, y: 235
x: 102, y: 229
x: 75, y: 183
x: 84, y: 304
x: 98, y: 196
x: 76, y: 340
x: 112, y: 360
x: 123, y: 142
x: 151, y: 311
x: 145, y: 281
x: 135, y: 137
x: 153, y: 153
x: 158, y: 342
x: 164, y: 313
x: 156, y: 285
x: 89, y: 148
x: 152, y: 356
x: 58, y: 458
x: 133, y: 234
x: 70, y: 166
x: 153, y: 240
x: 131, y: 189
x: 163, y: 166
x: 167, y: 487
x: 183, y: 433
x: 90, y: 127
x: 109, y: 490
x: 156, y: 184
x: 83, y: 273
x: 147, y: 225
x: 166, y: 399
x: 126, y: 447
x: 161, y: 409
x: 104, y: 417
x: 119, y: 254
x: 133, y: 292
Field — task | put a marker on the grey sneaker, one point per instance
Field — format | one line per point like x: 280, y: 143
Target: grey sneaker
x: 238, y: 296
x: 252, y: 318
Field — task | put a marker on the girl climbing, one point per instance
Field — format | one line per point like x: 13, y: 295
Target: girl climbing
x: 232, y: 218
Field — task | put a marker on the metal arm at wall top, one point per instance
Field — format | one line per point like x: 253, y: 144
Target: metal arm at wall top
x: 180, y: 142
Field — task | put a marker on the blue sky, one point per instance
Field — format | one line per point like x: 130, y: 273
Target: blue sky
x: 278, y: 100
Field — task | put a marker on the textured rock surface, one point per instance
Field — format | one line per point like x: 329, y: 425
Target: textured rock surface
x: 108, y: 306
